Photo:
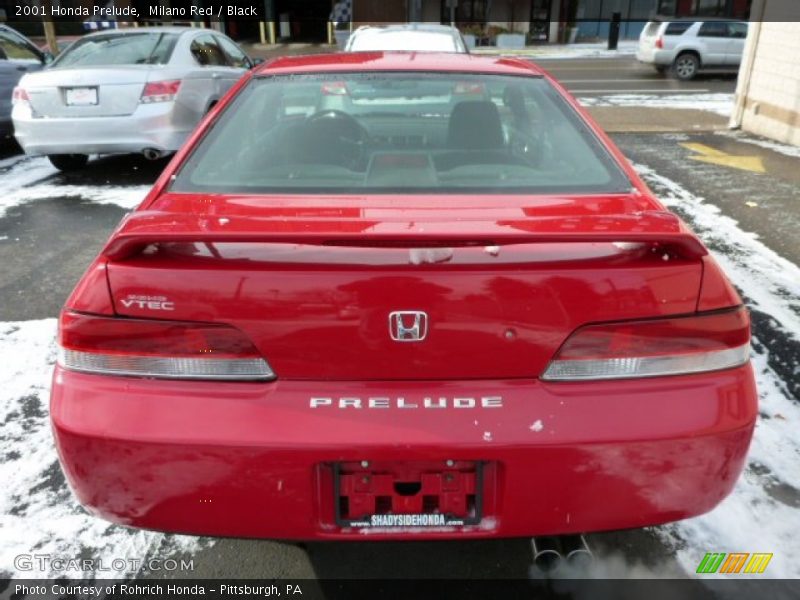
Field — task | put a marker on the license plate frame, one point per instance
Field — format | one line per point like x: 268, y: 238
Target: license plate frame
x: 81, y: 96
x: 405, y: 521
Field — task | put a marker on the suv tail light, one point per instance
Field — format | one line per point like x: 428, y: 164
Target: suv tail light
x: 160, y: 91
x: 20, y: 96
x: 469, y: 88
x: 335, y: 88
x: 660, y: 42
x: 160, y: 349
x: 670, y: 346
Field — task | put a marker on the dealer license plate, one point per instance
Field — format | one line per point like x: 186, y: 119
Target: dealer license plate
x: 408, y: 494
x: 81, y: 96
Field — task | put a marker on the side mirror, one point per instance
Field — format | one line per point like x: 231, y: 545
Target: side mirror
x: 256, y: 61
x: 47, y: 57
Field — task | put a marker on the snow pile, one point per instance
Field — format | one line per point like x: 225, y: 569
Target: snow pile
x: 721, y: 104
x: 756, y: 517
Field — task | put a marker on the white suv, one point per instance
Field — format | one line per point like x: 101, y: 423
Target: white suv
x: 686, y: 46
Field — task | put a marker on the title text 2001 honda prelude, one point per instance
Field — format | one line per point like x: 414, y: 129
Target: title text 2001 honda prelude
x: 410, y: 295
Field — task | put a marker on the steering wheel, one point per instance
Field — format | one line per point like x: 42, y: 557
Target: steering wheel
x: 335, y: 137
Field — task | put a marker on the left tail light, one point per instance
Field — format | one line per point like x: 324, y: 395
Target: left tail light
x: 649, y: 348
x: 160, y: 91
x: 20, y: 96
x: 158, y: 349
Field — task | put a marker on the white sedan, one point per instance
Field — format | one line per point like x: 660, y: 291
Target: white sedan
x: 140, y: 90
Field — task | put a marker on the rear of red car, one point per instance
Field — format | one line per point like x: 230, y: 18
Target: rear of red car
x: 397, y: 324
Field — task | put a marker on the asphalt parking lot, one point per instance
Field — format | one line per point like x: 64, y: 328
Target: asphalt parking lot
x: 738, y: 192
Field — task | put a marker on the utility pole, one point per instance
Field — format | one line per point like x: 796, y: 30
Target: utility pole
x: 49, y: 27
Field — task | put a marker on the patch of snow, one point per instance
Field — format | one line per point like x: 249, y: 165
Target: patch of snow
x: 38, y: 513
x: 17, y: 172
x: 721, y: 104
x: 536, y: 426
x: 565, y: 51
x: 127, y: 197
x: 487, y: 436
x: 18, y: 175
x: 750, y: 519
x: 785, y: 149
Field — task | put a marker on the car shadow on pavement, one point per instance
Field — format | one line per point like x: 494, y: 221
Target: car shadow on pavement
x: 495, y: 559
x: 118, y: 169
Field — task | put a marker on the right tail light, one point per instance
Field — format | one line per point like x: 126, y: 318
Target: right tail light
x: 160, y: 91
x: 655, y: 347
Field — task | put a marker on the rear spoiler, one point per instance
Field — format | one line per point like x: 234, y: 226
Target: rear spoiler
x: 141, y: 229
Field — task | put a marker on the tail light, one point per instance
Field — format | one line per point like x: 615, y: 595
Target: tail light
x: 160, y: 349
x: 468, y: 88
x: 660, y: 42
x: 671, y: 346
x: 160, y: 91
x: 334, y: 88
x: 20, y: 96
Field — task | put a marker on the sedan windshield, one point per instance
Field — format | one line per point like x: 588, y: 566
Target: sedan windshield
x: 400, y: 132
x: 148, y: 48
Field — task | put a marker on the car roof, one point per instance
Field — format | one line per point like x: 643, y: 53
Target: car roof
x: 132, y: 30
x: 704, y: 19
x: 432, y: 27
x: 399, y: 61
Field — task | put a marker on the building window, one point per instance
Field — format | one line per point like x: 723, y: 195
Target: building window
x: 667, y: 7
x: 708, y: 8
x: 467, y: 11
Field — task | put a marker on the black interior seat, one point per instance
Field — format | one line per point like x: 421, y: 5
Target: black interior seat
x: 474, y: 136
x: 475, y: 125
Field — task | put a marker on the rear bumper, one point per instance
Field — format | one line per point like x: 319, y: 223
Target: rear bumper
x: 151, y: 126
x: 654, y: 56
x: 251, y: 460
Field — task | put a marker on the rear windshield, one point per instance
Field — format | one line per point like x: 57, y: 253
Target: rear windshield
x: 400, y: 132
x: 149, y: 48
x: 651, y: 29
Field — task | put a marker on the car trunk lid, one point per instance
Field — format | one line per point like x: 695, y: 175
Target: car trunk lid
x: 317, y: 290
x: 88, y: 91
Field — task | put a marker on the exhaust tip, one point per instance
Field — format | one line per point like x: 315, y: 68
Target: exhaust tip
x: 577, y: 552
x: 152, y: 154
x: 547, y: 556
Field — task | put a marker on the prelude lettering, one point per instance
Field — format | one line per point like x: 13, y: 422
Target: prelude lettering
x: 400, y: 402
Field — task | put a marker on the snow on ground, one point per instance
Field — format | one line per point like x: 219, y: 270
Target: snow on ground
x: 785, y: 149
x: 721, y: 104
x: 19, y: 174
x: 564, y: 51
x: 38, y: 514
x: 752, y: 519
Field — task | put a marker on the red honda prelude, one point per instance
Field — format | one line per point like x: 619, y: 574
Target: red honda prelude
x: 402, y: 296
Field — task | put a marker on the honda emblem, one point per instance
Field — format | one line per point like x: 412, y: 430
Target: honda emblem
x: 408, y: 325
